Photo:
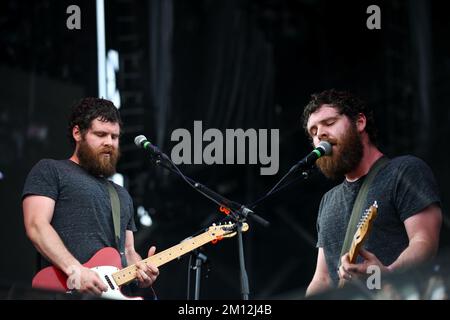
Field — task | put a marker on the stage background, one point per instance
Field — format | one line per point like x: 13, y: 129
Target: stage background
x: 230, y: 64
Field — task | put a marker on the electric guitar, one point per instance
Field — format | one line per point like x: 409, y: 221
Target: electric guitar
x: 106, y: 262
x: 361, y: 234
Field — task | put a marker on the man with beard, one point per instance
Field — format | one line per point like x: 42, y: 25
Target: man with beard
x: 406, y: 229
x: 67, y: 206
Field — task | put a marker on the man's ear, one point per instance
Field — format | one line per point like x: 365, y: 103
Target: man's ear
x: 361, y: 122
x: 76, y: 133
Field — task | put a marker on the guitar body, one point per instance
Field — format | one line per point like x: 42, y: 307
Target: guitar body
x: 105, y: 262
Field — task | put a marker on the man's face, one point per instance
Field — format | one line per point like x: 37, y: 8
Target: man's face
x: 98, y: 149
x: 347, y: 148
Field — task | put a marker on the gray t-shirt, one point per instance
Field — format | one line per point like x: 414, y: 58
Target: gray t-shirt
x: 82, y: 215
x: 404, y: 187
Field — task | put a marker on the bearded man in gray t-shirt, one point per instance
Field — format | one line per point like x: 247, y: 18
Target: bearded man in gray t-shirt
x: 67, y: 207
x: 406, y: 229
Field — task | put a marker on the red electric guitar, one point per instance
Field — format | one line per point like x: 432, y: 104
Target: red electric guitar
x: 106, y: 262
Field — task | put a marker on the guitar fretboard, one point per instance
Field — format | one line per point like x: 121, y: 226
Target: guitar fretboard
x: 128, y: 274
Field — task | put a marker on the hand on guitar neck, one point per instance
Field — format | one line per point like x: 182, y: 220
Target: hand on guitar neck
x: 349, y: 269
x: 358, y: 271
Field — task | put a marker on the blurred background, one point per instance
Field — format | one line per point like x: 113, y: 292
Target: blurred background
x: 230, y: 64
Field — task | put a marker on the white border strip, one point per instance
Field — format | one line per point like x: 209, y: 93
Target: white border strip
x: 101, y: 54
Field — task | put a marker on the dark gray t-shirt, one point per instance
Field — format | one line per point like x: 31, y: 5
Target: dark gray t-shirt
x: 82, y: 215
x: 404, y: 187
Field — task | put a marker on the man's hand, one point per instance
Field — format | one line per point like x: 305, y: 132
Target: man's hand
x: 147, y: 273
x: 349, y: 271
x: 86, y: 280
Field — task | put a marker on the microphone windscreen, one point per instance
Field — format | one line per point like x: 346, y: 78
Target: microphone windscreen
x: 326, y: 146
x: 139, y: 139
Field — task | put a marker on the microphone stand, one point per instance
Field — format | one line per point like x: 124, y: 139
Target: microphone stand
x: 305, y: 174
x: 238, y: 212
x: 275, y: 189
x: 245, y: 291
x: 200, y: 259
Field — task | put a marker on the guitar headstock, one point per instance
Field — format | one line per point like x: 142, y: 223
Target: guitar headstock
x: 226, y: 230
x: 365, y: 223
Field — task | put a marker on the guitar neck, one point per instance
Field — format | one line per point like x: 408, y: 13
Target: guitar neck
x: 353, y: 252
x: 361, y: 235
x: 352, y: 255
x: 128, y: 274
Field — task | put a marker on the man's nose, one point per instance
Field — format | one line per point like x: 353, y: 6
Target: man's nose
x: 108, y: 140
x: 322, y: 133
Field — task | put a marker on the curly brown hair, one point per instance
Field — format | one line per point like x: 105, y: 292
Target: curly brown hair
x: 88, y: 109
x: 346, y: 104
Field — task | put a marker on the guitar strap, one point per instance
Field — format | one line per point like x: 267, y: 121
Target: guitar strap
x: 115, y: 208
x: 359, y: 203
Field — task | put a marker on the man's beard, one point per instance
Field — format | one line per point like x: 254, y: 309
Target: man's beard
x: 98, y: 163
x: 345, y: 159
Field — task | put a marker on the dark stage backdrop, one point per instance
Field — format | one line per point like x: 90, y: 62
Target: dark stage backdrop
x: 229, y: 64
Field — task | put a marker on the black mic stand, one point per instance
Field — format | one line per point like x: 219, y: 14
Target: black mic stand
x: 241, y: 214
x: 245, y: 290
x: 244, y: 280
x: 200, y: 260
x: 305, y: 174
x: 238, y: 212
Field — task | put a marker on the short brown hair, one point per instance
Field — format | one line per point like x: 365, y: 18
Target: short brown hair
x: 88, y: 109
x: 346, y: 104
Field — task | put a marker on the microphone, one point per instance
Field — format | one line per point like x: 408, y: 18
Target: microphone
x: 142, y: 142
x: 323, y: 149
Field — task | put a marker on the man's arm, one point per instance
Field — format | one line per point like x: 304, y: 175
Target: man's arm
x: 321, y: 280
x: 146, y: 273
x: 423, y: 231
x: 37, y: 214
